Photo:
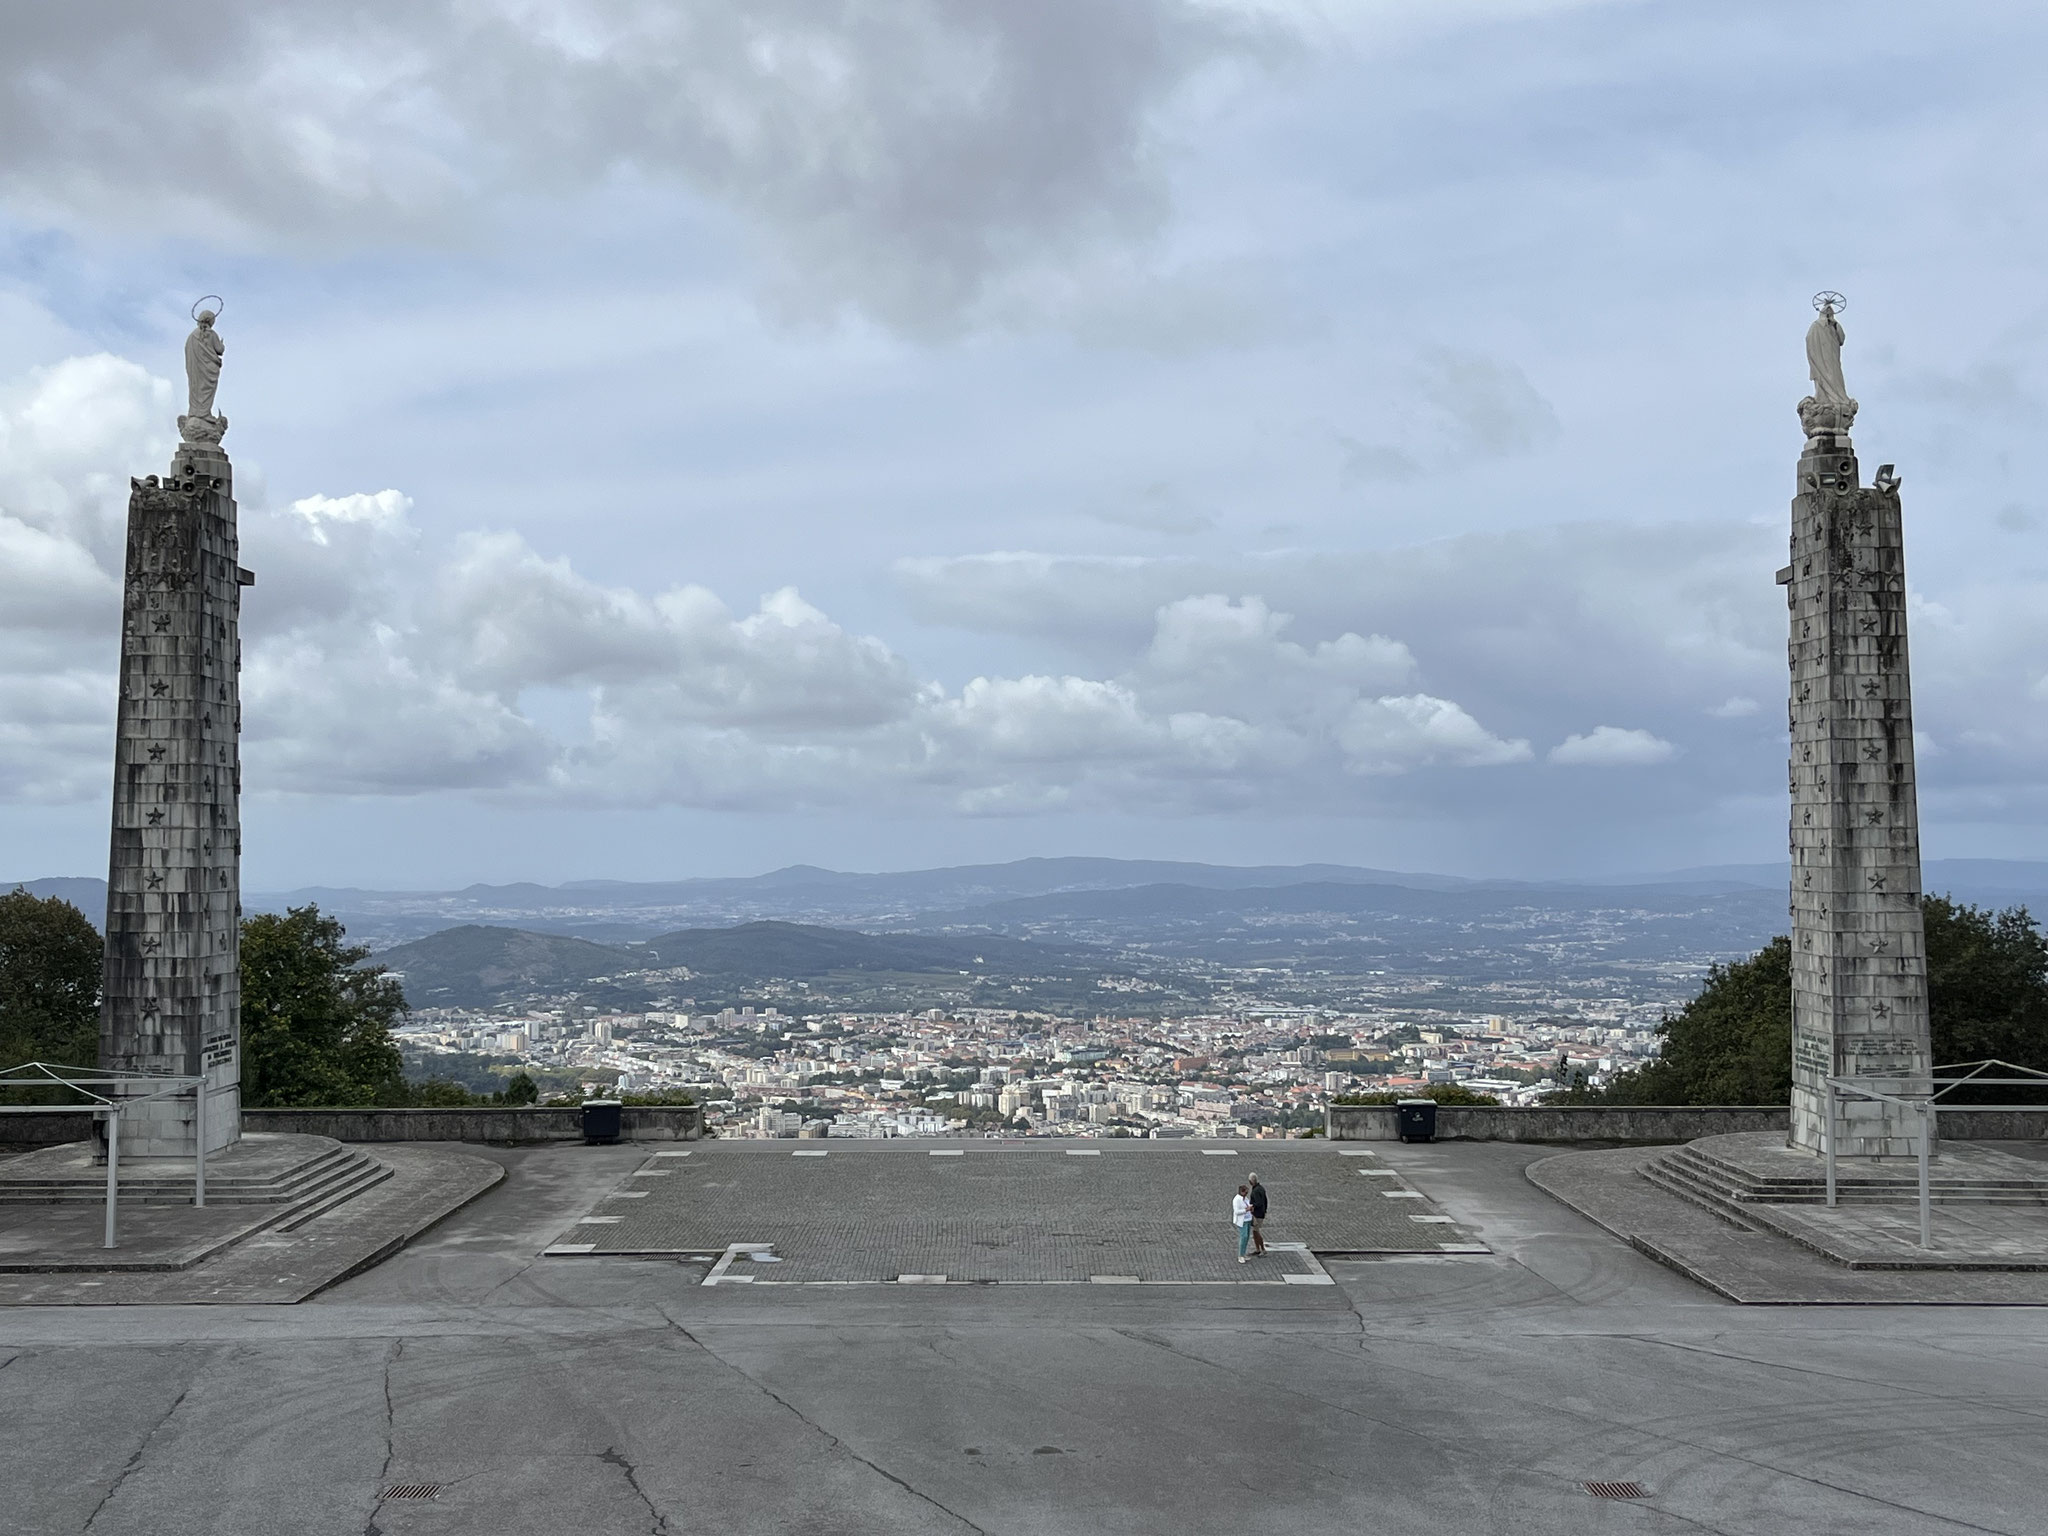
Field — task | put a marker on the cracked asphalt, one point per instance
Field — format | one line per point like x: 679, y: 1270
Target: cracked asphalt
x: 1462, y: 1393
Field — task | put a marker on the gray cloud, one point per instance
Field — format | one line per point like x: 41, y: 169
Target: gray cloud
x: 1456, y: 407
x: 900, y: 157
x: 1490, y: 406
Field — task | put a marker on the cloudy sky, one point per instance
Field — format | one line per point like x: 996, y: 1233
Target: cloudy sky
x: 691, y: 437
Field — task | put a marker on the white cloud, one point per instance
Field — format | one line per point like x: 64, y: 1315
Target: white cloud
x: 380, y: 660
x: 378, y: 663
x: 383, y: 509
x: 1396, y: 734
x: 1612, y: 746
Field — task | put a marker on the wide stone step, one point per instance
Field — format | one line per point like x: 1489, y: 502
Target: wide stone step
x: 1739, y: 1186
x: 368, y: 1176
x: 160, y: 1189
x: 1678, y: 1181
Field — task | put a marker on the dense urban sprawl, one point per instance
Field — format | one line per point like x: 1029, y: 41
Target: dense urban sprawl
x: 1251, y: 1071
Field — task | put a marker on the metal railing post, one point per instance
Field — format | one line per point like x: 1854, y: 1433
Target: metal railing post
x: 1926, y: 1136
x: 199, y: 1143
x: 113, y: 1170
x: 1827, y: 1137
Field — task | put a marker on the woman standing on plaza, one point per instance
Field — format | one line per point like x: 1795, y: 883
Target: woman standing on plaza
x: 1241, y: 1216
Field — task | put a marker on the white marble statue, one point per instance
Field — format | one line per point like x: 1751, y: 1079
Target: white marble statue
x: 1824, y: 358
x: 203, y: 349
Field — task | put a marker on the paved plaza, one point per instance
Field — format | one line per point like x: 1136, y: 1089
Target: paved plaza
x: 1459, y: 1392
x: 1010, y: 1211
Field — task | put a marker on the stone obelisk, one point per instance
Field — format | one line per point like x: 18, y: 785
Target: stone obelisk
x: 172, y: 998
x: 1859, y: 956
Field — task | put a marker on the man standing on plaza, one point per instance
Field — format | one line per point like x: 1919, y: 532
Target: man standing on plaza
x: 1258, y: 1200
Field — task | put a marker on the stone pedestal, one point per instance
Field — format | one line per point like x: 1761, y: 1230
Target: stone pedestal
x: 172, y: 998
x: 1859, y: 957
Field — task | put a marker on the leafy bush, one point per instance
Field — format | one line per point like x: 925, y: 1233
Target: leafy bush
x: 1442, y: 1093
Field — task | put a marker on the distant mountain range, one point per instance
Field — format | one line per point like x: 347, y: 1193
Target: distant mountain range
x: 612, y: 911
x: 1055, y: 933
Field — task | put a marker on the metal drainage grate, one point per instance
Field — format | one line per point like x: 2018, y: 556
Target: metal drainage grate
x: 412, y: 1491
x: 1616, y: 1490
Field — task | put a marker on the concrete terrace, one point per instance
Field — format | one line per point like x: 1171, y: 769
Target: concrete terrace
x: 1449, y: 1392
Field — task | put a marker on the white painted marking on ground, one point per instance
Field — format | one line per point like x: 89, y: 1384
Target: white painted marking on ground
x: 1464, y: 1248
x: 806, y: 1154
x: 599, y: 1221
x: 1218, y: 1152
x: 627, y: 1194
x: 1308, y: 1280
x: 1113, y: 1280
x: 671, y: 1154
x: 560, y: 1250
x: 920, y: 1279
x: 652, y: 1173
x: 1083, y: 1152
x: 1400, y: 1194
x: 1442, y: 1221
x: 1352, y: 1152
x: 721, y: 1271
x: 1378, y: 1173
x: 946, y: 1152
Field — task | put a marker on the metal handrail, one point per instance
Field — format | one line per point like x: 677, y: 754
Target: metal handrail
x: 1925, y: 1106
x: 107, y: 1109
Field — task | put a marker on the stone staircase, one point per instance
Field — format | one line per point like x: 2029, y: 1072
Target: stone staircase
x: 1730, y: 1190
x: 326, y: 1175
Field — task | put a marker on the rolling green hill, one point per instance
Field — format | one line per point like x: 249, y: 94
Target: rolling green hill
x: 477, y: 966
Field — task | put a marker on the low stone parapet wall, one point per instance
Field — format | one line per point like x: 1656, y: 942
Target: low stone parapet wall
x: 24, y: 1133
x: 1994, y: 1125
x: 1639, y: 1123
x: 1645, y: 1123
x: 665, y: 1122
x: 529, y: 1123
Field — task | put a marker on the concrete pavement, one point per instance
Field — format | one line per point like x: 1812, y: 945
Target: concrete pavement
x: 1462, y: 1393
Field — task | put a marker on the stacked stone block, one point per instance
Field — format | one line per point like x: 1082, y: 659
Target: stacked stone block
x: 1859, y: 956
x: 172, y: 999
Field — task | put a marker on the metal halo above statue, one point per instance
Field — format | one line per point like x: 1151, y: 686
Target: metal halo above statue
x: 1827, y: 301
x: 199, y: 303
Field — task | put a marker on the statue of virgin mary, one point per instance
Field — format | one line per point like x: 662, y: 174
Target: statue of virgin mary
x: 203, y: 349
x: 1824, y: 357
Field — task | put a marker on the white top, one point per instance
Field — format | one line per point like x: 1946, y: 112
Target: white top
x: 1240, y: 1210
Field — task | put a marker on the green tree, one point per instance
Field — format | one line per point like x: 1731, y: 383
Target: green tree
x: 1987, y: 984
x: 1987, y: 997
x: 50, y: 957
x: 316, y: 1022
x: 1730, y: 1045
x: 519, y: 1089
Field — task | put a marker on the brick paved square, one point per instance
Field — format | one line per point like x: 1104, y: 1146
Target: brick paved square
x: 1124, y: 1210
